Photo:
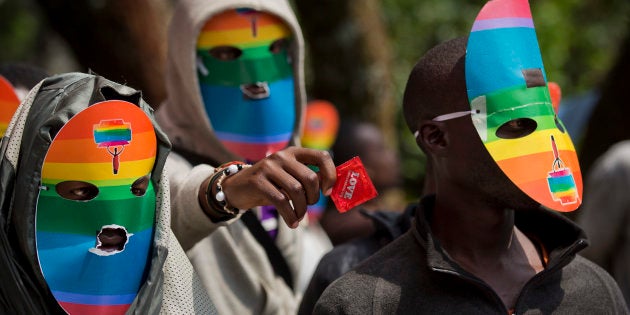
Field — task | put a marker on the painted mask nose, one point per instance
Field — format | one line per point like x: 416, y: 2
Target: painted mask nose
x: 112, y: 239
x: 255, y: 91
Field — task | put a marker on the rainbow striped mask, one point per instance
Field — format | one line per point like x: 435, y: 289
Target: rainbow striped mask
x: 246, y: 81
x: 9, y: 102
x: 512, y: 110
x: 96, y: 208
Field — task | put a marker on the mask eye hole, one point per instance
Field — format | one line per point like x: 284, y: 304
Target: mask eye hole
x: 517, y: 128
x: 139, y: 187
x: 225, y: 53
x: 77, y: 190
x: 278, y: 46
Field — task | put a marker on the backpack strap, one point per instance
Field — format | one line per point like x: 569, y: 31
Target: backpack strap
x: 277, y: 260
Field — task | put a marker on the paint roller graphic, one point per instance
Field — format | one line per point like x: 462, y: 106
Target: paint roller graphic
x: 253, y: 17
x: 113, y: 135
x: 561, y: 182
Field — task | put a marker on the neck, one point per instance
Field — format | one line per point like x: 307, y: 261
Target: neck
x: 472, y: 229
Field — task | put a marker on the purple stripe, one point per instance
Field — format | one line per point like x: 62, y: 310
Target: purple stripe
x: 270, y: 212
x: 482, y: 25
x: 94, y: 299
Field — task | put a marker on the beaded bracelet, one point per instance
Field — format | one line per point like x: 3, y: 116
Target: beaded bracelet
x: 216, y: 181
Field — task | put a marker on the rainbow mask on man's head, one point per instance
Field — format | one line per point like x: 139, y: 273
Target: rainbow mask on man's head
x: 96, y: 208
x: 246, y: 81
x: 512, y: 109
x: 9, y: 102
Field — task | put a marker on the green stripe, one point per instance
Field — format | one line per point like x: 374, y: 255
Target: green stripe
x: 55, y: 214
x: 544, y: 123
x: 514, y: 98
x: 253, y: 66
x: 51, y: 182
x: 105, y: 193
x: 558, y: 188
x: 118, y: 133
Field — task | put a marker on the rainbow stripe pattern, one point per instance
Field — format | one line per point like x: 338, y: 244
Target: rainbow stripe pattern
x: 249, y: 127
x: 9, y: 102
x: 506, y: 80
x: 83, y: 280
x: 112, y: 132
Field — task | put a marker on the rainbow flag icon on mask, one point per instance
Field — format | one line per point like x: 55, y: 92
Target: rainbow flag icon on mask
x: 113, y: 135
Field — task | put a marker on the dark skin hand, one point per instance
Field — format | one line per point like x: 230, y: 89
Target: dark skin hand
x: 283, y: 180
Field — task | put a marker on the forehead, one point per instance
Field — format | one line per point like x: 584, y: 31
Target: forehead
x: 239, y: 27
x: 82, y: 149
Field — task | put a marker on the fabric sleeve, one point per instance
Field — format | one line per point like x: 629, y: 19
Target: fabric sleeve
x: 606, y: 201
x: 189, y: 222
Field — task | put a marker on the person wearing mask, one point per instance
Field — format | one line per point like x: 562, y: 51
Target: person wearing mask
x: 240, y: 183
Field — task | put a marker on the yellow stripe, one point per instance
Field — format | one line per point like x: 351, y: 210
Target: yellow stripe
x: 97, y: 171
x: 539, y: 141
x: 241, y: 37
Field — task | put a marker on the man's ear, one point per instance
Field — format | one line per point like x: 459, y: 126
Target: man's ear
x: 432, y: 136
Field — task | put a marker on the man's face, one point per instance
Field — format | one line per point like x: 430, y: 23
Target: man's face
x: 96, y: 208
x: 246, y: 81
x: 478, y: 172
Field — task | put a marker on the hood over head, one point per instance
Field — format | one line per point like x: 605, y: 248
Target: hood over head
x: 91, y: 155
x: 183, y: 115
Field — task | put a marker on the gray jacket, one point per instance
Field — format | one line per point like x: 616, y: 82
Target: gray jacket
x: 413, y: 275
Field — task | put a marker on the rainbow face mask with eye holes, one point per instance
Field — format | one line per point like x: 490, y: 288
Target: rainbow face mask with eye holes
x: 246, y: 81
x: 96, y: 208
x: 512, y: 109
x: 9, y: 102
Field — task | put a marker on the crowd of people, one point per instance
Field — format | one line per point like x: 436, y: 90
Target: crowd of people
x: 202, y: 207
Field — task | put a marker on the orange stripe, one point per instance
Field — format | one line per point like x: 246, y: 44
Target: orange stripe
x: 544, y: 197
x: 534, y: 167
x: 83, y: 128
x: 142, y: 146
x: 232, y: 20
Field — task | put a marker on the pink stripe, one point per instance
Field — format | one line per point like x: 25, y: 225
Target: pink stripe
x: 112, y: 143
x: 505, y: 9
x: 252, y: 151
x: 73, y: 308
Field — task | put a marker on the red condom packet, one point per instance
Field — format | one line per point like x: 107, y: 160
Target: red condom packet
x: 353, y: 186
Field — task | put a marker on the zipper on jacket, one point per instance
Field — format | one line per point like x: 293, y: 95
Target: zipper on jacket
x: 480, y: 284
x: 539, y: 277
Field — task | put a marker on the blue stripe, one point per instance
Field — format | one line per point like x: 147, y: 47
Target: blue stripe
x: 230, y: 113
x: 495, y: 59
x: 94, y: 299
x: 68, y: 266
x: 253, y: 139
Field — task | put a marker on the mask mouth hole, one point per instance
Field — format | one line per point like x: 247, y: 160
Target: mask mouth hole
x: 111, y: 239
x: 255, y: 91
x: 517, y: 128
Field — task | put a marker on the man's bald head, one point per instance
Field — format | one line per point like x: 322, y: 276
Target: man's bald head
x: 437, y: 83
